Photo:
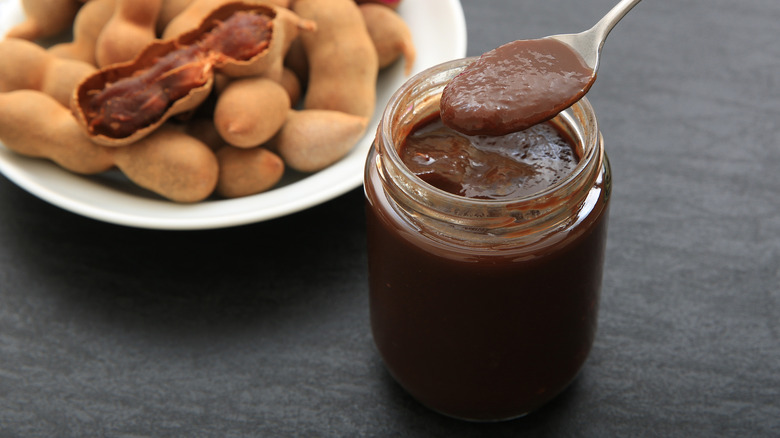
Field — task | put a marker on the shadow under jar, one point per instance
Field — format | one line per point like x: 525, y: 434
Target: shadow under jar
x: 483, y: 309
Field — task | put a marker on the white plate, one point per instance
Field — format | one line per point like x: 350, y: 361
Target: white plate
x: 439, y: 31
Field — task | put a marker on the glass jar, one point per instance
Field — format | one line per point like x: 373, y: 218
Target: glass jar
x: 483, y: 309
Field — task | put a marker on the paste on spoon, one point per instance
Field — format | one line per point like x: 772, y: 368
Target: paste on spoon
x: 514, y: 87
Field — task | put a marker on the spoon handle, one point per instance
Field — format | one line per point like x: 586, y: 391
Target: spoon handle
x: 589, y: 43
x: 608, y: 21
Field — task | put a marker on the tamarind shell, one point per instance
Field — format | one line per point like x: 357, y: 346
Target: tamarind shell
x: 148, y: 58
x: 232, y: 67
x: 107, y: 75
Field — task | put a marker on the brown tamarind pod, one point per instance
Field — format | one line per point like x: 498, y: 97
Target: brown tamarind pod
x: 170, y: 10
x: 244, y: 172
x: 35, y: 125
x: 292, y: 85
x: 204, y: 130
x: 285, y: 27
x: 392, y: 4
x: 170, y: 163
x: 250, y: 111
x: 280, y: 3
x: 195, y: 11
x: 129, y: 30
x: 44, y: 18
x: 122, y: 103
x: 190, y: 17
x: 295, y: 60
x: 312, y: 140
x: 89, y: 21
x: 390, y: 34
x: 41, y: 71
x: 342, y: 60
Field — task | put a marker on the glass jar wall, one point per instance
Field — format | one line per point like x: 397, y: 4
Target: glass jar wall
x: 483, y: 309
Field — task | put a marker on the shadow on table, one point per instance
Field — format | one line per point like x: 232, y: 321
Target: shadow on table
x: 192, y: 281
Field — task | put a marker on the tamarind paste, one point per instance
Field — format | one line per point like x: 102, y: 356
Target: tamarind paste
x: 489, y: 167
x: 485, y: 254
x: 515, y: 86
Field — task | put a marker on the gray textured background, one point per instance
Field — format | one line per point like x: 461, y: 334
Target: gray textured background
x: 112, y: 331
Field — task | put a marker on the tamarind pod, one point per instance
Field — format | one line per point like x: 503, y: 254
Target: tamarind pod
x: 244, y: 172
x: 221, y: 81
x: 170, y: 9
x: 292, y: 85
x: 343, y: 62
x: 124, y: 102
x: 294, y: 26
x: 44, y: 18
x: 170, y: 163
x: 17, y: 52
x: 313, y: 139
x: 35, y: 125
x: 285, y: 27
x: 108, y: 120
x: 90, y: 20
x: 392, y: 4
x: 193, y: 14
x: 390, y: 34
x: 250, y: 111
x: 295, y: 60
x: 280, y: 3
x: 204, y: 130
x: 190, y: 17
x: 129, y: 30
x: 27, y: 65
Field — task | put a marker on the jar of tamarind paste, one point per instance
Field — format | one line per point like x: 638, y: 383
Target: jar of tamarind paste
x: 483, y: 303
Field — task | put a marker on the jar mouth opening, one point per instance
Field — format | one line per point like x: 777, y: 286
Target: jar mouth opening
x: 578, y: 122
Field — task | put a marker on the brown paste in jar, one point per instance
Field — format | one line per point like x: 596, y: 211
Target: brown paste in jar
x: 488, y: 167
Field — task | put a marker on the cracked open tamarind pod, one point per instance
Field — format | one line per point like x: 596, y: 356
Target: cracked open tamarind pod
x: 122, y: 103
x: 287, y: 25
x: 191, y: 14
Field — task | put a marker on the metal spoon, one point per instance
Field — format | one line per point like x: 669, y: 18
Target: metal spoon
x: 526, y: 82
x: 589, y: 43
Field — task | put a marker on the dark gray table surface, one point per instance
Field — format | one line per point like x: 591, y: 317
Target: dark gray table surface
x: 262, y: 330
